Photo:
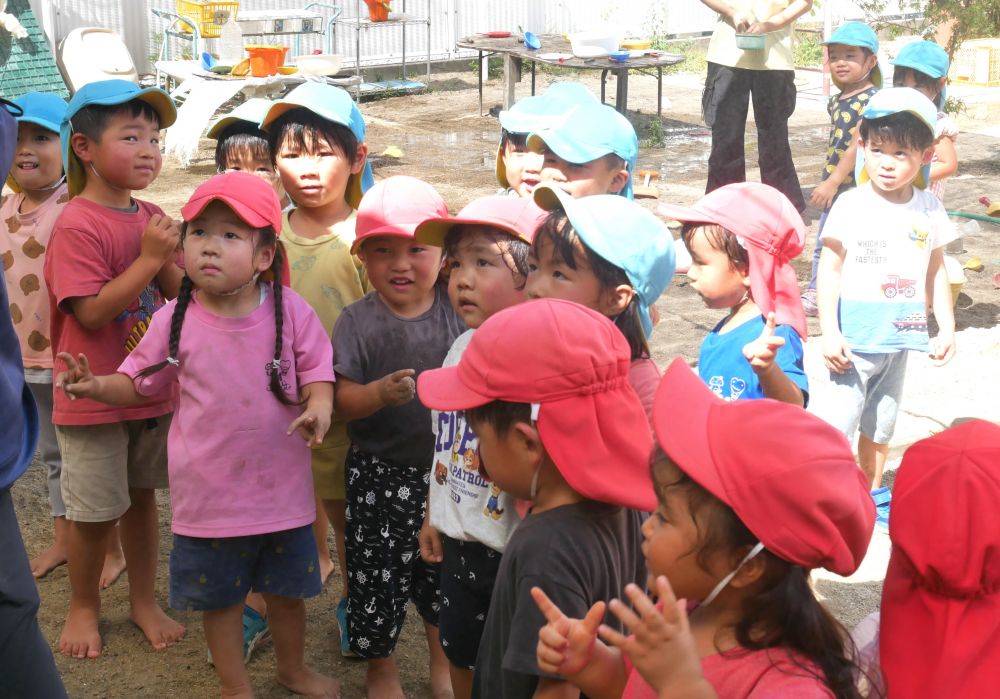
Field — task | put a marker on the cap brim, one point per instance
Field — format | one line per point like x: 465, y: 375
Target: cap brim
x: 682, y: 409
x: 685, y: 214
x: 434, y: 231
x: 501, y: 170
x: 571, y: 152
x: 398, y: 230
x: 442, y: 389
x: 217, y: 127
x: 194, y: 207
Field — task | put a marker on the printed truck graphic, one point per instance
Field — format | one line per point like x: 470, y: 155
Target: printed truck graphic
x: 895, y: 285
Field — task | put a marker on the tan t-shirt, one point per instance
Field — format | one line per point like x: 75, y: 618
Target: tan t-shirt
x: 23, y: 241
x: 777, y: 51
x: 324, y: 272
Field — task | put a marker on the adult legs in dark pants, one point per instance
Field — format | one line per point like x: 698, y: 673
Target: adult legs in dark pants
x: 26, y: 665
x: 725, y: 105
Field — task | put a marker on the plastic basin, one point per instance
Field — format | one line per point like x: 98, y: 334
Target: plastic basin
x: 750, y: 42
x: 585, y: 43
x: 620, y: 56
x: 265, y: 59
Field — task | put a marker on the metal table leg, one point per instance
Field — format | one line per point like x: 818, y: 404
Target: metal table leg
x: 621, y: 96
x: 659, y: 92
x: 480, y: 82
x: 604, y: 76
x: 532, y: 78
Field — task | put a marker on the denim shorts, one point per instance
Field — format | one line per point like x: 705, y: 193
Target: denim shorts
x: 866, y: 396
x: 207, y: 574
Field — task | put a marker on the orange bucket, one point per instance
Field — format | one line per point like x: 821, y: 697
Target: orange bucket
x: 265, y: 59
x: 378, y: 10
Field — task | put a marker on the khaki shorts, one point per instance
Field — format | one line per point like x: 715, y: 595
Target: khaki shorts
x: 328, y: 463
x: 101, y: 463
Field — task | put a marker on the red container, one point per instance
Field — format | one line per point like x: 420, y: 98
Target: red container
x: 378, y: 10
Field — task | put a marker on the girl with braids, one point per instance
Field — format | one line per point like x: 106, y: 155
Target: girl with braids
x: 252, y: 365
x: 751, y: 496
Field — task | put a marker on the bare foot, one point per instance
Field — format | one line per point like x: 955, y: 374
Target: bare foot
x: 48, y: 560
x: 325, y: 569
x: 382, y: 680
x: 161, y: 631
x: 310, y: 683
x: 114, y: 566
x: 80, y: 637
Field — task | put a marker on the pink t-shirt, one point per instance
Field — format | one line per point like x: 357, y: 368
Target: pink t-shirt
x: 90, y: 246
x: 23, y: 239
x: 233, y: 469
x: 755, y: 674
x: 644, y: 377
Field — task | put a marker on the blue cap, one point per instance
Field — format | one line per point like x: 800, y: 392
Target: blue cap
x: 895, y: 100
x: 857, y: 34
x: 42, y: 108
x: 591, y: 131
x: 107, y: 93
x: 333, y: 104
x: 927, y: 58
x: 623, y: 233
x: 252, y: 111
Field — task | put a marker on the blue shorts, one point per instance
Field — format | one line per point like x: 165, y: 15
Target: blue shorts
x: 207, y: 574
x: 866, y: 396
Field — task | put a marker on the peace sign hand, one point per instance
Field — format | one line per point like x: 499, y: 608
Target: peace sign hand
x: 565, y: 645
x: 761, y: 352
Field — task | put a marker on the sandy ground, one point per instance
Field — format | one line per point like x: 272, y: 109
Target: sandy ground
x: 447, y: 143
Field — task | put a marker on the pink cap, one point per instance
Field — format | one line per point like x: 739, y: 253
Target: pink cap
x: 249, y: 196
x: 518, y: 216
x: 789, y: 476
x: 771, y: 231
x: 573, y: 364
x: 396, y: 206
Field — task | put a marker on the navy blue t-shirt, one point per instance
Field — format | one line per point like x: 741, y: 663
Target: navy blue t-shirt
x: 18, y: 416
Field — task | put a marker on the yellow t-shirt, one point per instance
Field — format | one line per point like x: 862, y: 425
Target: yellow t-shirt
x: 323, y: 270
x: 777, y: 51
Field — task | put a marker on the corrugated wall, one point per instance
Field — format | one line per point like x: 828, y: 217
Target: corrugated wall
x: 450, y: 20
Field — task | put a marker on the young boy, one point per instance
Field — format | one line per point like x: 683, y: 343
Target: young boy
x: 853, y: 56
x: 108, y: 268
x: 592, y: 150
x: 240, y: 144
x: 545, y: 388
x: 882, y: 247
x: 469, y: 519
x: 518, y: 169
x: 316, y: 136
x: 403, y: 327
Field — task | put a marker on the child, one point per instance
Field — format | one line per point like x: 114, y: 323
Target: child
x: 939, y: 636
x: 852, y: 52
x: 317, y: 143
x: 518, y: 169
x: 25, y: 659
x: 751, y: 495
x: 240, y: 144
x: 381, y: 342
x: 612, y: 256
x: 923, y: 65
x: 270, y: 358
x: 882, y: 247
x: 544, y: 386
x: 108, y: 267
x: 592, y: 150
x: 742, y: 238
x: 26, y: 220
x: 469, y: 519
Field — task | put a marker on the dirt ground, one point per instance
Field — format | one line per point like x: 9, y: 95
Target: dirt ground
x: 447, y: 143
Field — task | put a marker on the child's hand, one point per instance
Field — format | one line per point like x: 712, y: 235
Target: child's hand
x: 160, y: 238
x: 397, y: 388
x: 77, y: 381
x: 762, y: 351
x: 661, y: 645
x: 430, y: 543
x: 565, y: 645
x: 312, y: 424
x: 740, y: 21
x: 942, y: 348
x: 822, y: 196
x: 836, y: 353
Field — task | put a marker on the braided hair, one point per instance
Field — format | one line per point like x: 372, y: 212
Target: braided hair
x: 265, y: 236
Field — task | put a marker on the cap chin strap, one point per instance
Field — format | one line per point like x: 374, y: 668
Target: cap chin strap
x: 534, y: 475
x: 52, y: 186
x: 726, y: 580
x: 241, y: 287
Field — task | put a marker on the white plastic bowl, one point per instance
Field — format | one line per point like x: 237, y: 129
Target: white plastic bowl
x: 319, y: 63
x: 585, y: 43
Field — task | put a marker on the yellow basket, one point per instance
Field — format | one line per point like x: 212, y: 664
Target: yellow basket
x: 210, y: 15
x: 977, y: 62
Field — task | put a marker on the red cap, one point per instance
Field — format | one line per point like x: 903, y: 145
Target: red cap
x: 771, y: 231
x: 249, y: 196
x: 519, y: 216
x: 573, y: 363
x: 396, y: 206
x: 940, y: 633
x: 789, y: 476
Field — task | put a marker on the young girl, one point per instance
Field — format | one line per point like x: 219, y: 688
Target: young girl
x: 612, y: 256
x: 923, y: 65
x: 253, y: 365
x: 738, y: 527
x: 742, y: 238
